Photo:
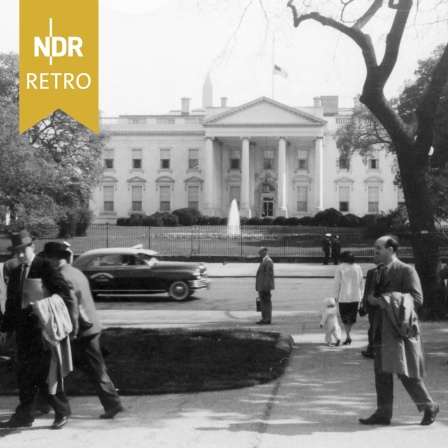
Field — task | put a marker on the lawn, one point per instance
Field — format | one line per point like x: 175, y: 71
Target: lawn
x: 145, y: 361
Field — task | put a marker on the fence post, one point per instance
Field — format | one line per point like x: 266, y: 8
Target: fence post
x: 149, y: 237
x: 107, y: 234
x: 241, y: 240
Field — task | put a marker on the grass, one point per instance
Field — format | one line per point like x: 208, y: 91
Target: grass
x: 143, y: 361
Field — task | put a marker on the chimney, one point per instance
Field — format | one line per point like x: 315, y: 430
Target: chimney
x: 224, y: 101
x: 185, y: 106
x: 330, y: 103
x: 317, y: 101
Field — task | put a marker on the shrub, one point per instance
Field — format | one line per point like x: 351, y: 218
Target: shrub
x: 349, y: 220
x: 224, y: 221
x: 203, y: 221
x: 307, y: 221
x: 214, y: 221
x: 254, y: 221
x: 243, y: 220
x: 293, y: 221
x: 280, y: 221
x: 188, y: 216
x: 74, y: 222
x: 267, y: 221
x: 170, y: 220
x: 329, y: 217
x: 121, y: 222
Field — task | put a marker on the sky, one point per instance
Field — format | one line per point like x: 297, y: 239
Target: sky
x: 154, y: 52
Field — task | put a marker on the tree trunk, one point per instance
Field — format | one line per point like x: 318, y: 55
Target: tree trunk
x: 424, y: 235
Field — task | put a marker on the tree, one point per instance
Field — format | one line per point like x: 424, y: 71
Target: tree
x: 365, y: 133
x: 412, y: 140
x: 57, y: 162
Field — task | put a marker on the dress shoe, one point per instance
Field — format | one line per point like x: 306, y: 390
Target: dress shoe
x: 348, y: 341
x: 337, y: 343
x: 15, y: 422
x: 430, y: 415
x: 263, y: 322
x: 60, y: 422
x: 367, y: 354
x: 112, y: 412
x: 375, y: 420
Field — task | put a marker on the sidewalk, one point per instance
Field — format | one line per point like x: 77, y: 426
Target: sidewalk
x: 316, y: 403
x: 282, y: 270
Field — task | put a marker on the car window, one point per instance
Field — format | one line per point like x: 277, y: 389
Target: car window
x: 148, y: 259
x: 107, y: 260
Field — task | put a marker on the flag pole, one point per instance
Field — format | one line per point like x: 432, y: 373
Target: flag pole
x: 273, y: 62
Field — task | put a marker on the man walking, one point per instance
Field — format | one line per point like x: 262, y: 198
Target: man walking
x: 33, y: 361
x: 264, y: 283
x: 396, y: 336
x: 86, y: 350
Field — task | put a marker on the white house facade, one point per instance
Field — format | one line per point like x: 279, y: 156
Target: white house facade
x: 274, y: 159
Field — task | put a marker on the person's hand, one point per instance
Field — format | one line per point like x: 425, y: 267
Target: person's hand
x: 372, y: 300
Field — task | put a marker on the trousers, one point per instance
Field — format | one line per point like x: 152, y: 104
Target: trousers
x: 266, y: 305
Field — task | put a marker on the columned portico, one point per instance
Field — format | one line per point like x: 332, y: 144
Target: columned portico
x: 209, y: 208
x: 245, y: 204
x: 319, y: 174
x: 282, y: 210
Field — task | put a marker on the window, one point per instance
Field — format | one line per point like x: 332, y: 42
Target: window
x: 165, y: 194
x: 235, y: 193
x: 137, y: 159
x: 137, y: 195
x: 373, y: 164
x: 165, y: 156
x: 108, y: 193
x: 302, y: 159
x: 401, y: 200
x: 268, y: 159
x: 108, y: 157
x: 343, y: 163
x: 193, y: 159
x: 193, y: 197
x: 235, y: 156
x: 302, y: 199
x: 344, y: 199
x: 374, y: 197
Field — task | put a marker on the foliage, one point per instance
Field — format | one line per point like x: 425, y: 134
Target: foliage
x: 188, y: 216
x: 267, y: 221
x: 74, y: 222
x: 254, y: 221
x: 293, y: 221
x: 329, y: 217
x: 214, y: 221
x: 280, y: 221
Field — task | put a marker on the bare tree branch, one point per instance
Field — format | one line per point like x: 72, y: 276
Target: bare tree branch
x: 364, y: 19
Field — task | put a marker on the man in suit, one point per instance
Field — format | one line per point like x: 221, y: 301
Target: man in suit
x: 264, y: 284
x: 370, y: 311
x: 33, y: 361
x: 335, y: 249
x: 86, y: 350
x: 326, y: 245
x: 396, y: 353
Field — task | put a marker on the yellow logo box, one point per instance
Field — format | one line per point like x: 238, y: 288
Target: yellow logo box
x: 58, y: 60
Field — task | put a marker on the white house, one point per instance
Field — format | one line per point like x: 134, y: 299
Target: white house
x: 274, y: 159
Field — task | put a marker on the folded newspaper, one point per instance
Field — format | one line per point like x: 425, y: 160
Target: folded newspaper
x: 32, y: 291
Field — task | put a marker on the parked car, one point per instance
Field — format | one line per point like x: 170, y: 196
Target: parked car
x: 135, y: 271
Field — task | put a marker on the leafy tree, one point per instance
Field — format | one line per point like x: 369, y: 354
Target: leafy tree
x: 412, y: 139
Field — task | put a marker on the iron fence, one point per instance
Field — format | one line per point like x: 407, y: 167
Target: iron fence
x: 293, y: 241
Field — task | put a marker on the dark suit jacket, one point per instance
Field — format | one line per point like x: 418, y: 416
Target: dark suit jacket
x: 264, y: 280
x: 82, y: 307
x: 368, y: 287
x: 22, y: 321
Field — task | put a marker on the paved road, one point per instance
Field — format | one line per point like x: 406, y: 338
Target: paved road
x: 237, y: 294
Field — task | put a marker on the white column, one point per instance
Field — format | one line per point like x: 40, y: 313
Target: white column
x: 281, y: 199
x: 209, y: 209
x: 319, y: 173
x: 244, y: 204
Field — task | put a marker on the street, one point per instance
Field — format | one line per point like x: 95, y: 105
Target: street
x: 236, y: 294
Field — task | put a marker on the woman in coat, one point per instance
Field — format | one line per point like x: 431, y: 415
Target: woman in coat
x: 348, y: 291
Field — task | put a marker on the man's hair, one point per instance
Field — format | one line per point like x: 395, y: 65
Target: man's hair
x: 59, y: 255
x: 392, y: 241
x: 347, y: 257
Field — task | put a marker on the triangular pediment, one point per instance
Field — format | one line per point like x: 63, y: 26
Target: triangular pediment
x: 264, y: 111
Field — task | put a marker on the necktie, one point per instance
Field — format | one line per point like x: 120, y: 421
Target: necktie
x: 377, y: 279
x: 22, y: 278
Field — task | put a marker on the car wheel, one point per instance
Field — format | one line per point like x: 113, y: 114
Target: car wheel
x: 179, y: 291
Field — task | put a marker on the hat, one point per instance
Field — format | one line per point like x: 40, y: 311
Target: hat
x: 55, y: 246
x: 20, y: 239
x: 263, y: 248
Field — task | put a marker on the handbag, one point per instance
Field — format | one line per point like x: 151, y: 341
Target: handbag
x: 257, y: 303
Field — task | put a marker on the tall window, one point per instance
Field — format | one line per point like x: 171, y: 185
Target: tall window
x: 235, y: 193
x: 302, y: 159
x: 344, y: 199
x: 108, y: 157
x: 235, y: 156
x: 343, y: 163
x: 302, y: 199
x: 401, y: 200
x: 193, y: 159
x: 193, y: 197
x: 268, y: 159
x: 374, y: 198
x: 165, y: 199
x: 374, y: 161
x: 137, y: 195
x: 137, y: 159
x: 108, y: 196
x: 165, y: 159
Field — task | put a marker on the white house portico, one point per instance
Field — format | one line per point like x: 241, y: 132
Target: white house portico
x: 274, y: 159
